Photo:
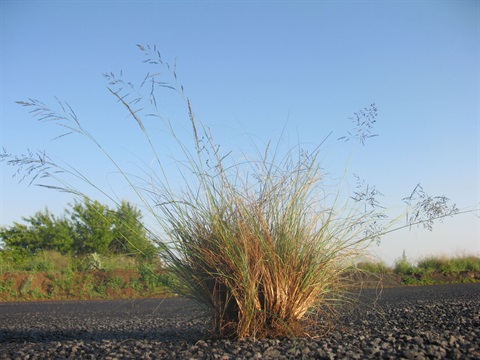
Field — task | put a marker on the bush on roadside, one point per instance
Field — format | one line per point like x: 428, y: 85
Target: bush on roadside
x: 90, y: 227
x: 404, y: 267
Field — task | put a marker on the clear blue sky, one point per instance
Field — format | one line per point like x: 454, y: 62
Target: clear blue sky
x: 251, y: 67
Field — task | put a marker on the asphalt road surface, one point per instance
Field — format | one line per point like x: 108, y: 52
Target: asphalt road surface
x: 410, y: 322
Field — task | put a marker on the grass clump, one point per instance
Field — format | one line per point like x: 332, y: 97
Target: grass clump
x: 263, y: 254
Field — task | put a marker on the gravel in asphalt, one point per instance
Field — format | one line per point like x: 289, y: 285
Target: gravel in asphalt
x: 432, y: 322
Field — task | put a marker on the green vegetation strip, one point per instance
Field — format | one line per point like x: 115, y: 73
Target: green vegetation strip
x: 50, y: 275
x: 429, y: 270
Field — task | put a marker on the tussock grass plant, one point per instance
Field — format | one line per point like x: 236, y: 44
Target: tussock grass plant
x: 260, y: 242
x: 261, y: 255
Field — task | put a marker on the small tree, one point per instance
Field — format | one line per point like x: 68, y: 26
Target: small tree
x: 43, y: 232
x: 129, y: 233
x: 18, y: 236
x: 92, y: 226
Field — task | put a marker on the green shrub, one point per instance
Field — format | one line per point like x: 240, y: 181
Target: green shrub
x: 432, y: 264
x: 468, y: 263
x: 7, y: 286
x: 148, y: 275
x: 461, y: 264
x: 65, y: 280
x: 91, y: 228
x: 136, y: 285
x: 116, y: 283
x: 404, y: 267
x: 14, y: 259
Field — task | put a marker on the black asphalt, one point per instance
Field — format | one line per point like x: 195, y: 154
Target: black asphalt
x: 408, y: 322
